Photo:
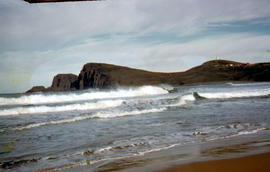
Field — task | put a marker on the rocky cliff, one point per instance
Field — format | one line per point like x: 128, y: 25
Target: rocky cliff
x: 94, y: 75
x: 61, y: 82
x: 100, y: 75
x: 36, y: 89
x: 64, y: 82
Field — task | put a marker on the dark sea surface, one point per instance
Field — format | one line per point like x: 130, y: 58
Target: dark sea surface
x: 67, y: 130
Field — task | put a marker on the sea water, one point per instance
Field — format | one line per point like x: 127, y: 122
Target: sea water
x: 54, y: 131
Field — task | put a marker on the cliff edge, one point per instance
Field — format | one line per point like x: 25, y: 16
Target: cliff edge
x: 101, y: 75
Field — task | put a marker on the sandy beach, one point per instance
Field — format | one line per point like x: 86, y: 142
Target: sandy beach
x: 252, y: 163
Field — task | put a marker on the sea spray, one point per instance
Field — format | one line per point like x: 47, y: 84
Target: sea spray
x: 47, y: 98
x: 45, y: 109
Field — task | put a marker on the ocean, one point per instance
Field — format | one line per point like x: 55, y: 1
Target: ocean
x: 100, y: 130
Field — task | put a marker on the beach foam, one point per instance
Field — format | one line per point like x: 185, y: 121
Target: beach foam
x: 112, y: 148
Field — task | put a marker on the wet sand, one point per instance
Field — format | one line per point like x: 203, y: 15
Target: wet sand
x: 241, y: 154
x: 246, y: 153
x: 252, y: 163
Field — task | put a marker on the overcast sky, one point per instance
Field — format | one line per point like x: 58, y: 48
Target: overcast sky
x: 37, y: 41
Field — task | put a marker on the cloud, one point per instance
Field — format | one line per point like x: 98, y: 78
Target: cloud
x: 51, y: 26
x: 40, y: 40
x: 166, y: 57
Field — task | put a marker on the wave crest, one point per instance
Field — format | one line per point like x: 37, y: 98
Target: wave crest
x: 91, y: 95
x: 44, y: 109
x: 97, y: 115
x: 220, y: 95
x: 136, y: 112
x: 240, y: 94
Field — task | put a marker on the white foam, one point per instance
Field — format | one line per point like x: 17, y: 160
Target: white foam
x: 53, y: 123
x: 238, y: 126
x: 223, y: 95
x: 97, y: 115
x: 237, y: 134
x: 247, y: 84
x: 103, y: 149
x: 238, y: 94
x: 44, y: 109
x: 116, y: 147
x: 71, y: 97
x: 250, y: 132
x: 136, y: 112
x: 183, y: 100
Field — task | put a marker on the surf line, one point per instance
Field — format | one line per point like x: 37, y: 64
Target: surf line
x: 98, y: 115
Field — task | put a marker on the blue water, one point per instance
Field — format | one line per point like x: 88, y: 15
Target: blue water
x: 68, y: 129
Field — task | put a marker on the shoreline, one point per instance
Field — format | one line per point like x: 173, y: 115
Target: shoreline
x: 251, y: 163
x: 233, y: 153
x: 221, y: 151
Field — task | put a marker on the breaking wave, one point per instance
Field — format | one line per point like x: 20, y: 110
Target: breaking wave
x: 239, y: 94
x: 248, y: 84
x: 52, y: 123
x: 44, y: 109
x: 183, y: 100
x: 136, y: 112
x: 97, y: 115
x: 220, y: 95
x: 71, y: 97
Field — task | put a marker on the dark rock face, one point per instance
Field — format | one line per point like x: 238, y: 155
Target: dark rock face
x: 36, y: 89
x: 92, y: 76
x: 64, y: 82
x: 61, y: 82
x: 100, y: 75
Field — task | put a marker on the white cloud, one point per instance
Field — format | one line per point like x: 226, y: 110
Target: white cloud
x: 41, y: 40
x: 167, y: 57
x: 50, y: 26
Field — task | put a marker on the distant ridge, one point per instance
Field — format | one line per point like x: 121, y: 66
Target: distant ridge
x: 101, y: 75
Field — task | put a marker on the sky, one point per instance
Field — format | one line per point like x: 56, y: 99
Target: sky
x: 38, y: 41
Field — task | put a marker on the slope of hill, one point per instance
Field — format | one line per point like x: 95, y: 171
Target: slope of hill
x: 100, y: 75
